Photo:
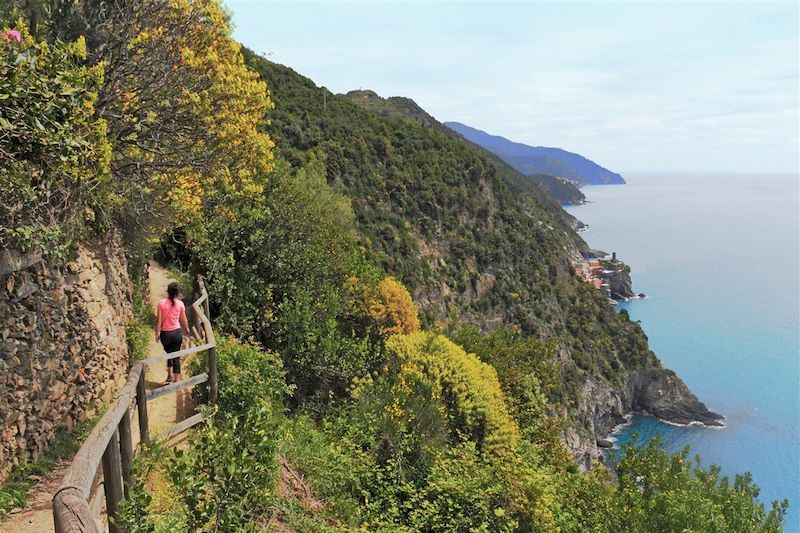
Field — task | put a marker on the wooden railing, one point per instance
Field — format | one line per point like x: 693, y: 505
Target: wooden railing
x: 75, y: 507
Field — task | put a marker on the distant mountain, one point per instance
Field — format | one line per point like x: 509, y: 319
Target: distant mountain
x: 540, y: 159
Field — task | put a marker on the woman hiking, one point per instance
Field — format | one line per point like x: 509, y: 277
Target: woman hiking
x: 170, y: 318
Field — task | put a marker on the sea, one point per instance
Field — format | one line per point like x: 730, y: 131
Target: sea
x: 717, y: 257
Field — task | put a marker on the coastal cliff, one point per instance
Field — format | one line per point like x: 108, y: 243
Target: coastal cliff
x: 648, y: 390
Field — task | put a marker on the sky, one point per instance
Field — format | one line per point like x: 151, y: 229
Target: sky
x: 635, y: 86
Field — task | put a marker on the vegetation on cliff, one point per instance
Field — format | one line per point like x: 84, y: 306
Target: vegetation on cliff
x: 315, y: 249
x: 472, y: 239
x: 562, y: 190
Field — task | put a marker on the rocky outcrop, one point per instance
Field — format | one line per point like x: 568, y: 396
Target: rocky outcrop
x: 659, y: 392
x: 618, y: 276
x: 62, y: 342
x: 650, y: 390
x: 478, y: 287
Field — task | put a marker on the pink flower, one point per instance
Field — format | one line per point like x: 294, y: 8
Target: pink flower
x: 10, y: 35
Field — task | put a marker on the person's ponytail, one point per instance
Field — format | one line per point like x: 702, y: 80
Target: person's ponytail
x: 173, y: 290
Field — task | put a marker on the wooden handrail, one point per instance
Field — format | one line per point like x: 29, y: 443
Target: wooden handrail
x: 182, y: 353
x: 80, y: 473
x: 110, y: 442
x: 175, y: 387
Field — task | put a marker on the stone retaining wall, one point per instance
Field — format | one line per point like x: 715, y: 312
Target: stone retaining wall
x: 62, y: 343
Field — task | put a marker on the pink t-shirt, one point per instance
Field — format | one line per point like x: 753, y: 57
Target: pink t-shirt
x: 171, y: 314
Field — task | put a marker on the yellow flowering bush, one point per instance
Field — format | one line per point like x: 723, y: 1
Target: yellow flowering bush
x: 186, y: 115
x: 392, y: 308
x: 466, y: 387
x: 429, y: 386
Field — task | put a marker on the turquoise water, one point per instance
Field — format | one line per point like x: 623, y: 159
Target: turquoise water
x: 718, y: 259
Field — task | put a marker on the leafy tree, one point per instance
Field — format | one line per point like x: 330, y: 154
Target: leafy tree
x: 278, y: 273
x: 182, y: 112
x: 661, y: 492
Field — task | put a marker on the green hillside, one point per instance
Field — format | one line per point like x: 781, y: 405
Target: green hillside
x: 474, y: 245
x: 560, y: 190
x: 563, y: 191
x: 440, y: 216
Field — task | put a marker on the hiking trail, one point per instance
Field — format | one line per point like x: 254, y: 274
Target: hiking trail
x: 163, y: 412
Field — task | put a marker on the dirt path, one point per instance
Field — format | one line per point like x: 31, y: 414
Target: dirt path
x: 163, y: 413
x: 37, y: 515
x: 166, y: 411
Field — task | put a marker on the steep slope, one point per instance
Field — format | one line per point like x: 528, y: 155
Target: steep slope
x: 540, y: 159
x: 439, y: 214
x: 563, y: 191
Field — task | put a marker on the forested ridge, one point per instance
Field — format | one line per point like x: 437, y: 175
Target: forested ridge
x: 399, y: 322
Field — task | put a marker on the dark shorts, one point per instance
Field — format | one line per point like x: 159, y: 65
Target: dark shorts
x: 171, y: 341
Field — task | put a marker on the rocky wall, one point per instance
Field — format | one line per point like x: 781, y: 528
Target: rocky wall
x: 63, y: 351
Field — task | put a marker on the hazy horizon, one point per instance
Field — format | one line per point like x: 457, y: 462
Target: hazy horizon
x: 681, y: 86
x: 679, y: 172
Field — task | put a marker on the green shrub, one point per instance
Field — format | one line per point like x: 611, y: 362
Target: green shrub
x: 55, y: 176
x: 226, y: 480
x: 133, y: 512
x: 462, y: 493
x: 341, y: 474
x: 248, y: 377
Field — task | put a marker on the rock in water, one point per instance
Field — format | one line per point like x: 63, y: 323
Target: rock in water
x: 662, y: 394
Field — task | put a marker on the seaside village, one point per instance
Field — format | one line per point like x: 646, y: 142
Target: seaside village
x: 605, y: 274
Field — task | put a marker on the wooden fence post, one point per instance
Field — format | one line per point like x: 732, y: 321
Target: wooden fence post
x: 112, y: 481
x: 126, y: 450
x: 212, y: 352
x: 141, y: 404
x: 207, y: 308
x: 212, y: 374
